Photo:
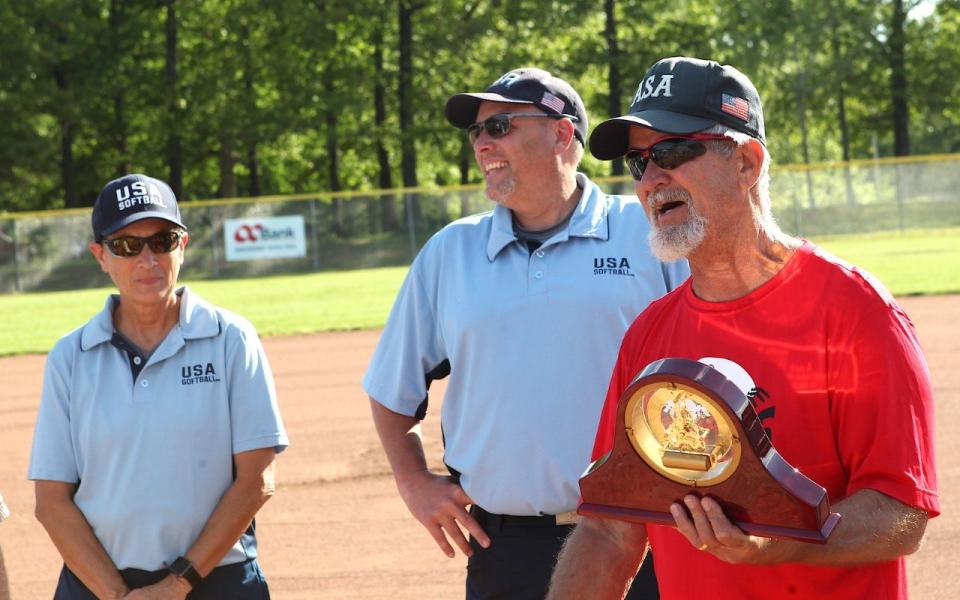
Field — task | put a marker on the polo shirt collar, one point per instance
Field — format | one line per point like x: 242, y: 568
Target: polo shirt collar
x: 589, y: 220
x: 99, y: 329
x: 198, y: 319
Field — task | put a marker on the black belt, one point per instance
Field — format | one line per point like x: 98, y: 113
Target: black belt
x: 488, y: 519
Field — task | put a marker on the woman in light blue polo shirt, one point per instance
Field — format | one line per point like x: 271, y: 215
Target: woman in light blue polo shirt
x: 158, y: 426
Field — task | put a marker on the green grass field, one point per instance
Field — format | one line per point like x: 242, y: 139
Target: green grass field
x: 911, y: 263
x: 919, y: 262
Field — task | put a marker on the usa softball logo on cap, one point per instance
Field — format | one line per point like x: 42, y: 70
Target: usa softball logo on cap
x: 138, y: 193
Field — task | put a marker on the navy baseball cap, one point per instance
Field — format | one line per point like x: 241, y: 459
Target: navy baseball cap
x: 132, y: 198
x: 550, y: 94
x: 684, y: 95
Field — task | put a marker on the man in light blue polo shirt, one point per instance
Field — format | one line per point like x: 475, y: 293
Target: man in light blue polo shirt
x: 524, y: 307
x: 158, y: 427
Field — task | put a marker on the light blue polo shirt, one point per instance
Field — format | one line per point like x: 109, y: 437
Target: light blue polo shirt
x: 154, y: 454
x: 531, y: 339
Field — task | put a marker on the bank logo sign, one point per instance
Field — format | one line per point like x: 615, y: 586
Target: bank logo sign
x: 258, y: 238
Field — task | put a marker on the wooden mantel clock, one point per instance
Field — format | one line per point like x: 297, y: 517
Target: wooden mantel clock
x: 683, y: 427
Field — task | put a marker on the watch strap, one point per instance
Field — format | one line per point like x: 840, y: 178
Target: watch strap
x: 182, y: 567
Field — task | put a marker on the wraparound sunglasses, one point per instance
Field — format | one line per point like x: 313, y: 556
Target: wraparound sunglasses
x: 126, y: 246
x: 669, y: 152
x: 499, y: 125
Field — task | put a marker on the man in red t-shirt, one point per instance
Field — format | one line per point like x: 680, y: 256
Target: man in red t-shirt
x: 831, y: 361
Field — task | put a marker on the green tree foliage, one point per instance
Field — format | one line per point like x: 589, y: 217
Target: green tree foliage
x: 280, y: 96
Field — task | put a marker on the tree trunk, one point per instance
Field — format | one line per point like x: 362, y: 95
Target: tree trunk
x: 333, y: 160
x: 842, y: 118
x: 120, y: 135
x: 228, y: 178
x: 465, y: 160
x: 802, y: 115
x: 614, y: 83
x: 840, y: 71
x: 68, y: 170
x: 119, y: 103
x: 174, y: 151
x: 388, y: 211
x: 845, y: 139
x: 332, y: 144
x: 329, y: 80
x: 408, y: 151
x: 898, y: 81
x: 253, y: 166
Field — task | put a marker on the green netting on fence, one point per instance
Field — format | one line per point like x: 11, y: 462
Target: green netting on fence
x: 48, y: 251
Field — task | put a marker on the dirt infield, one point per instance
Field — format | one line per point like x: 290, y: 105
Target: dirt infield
x: 337, y: 529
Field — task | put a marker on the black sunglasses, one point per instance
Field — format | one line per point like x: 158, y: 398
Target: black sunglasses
x: 669, y: 152
x: 126, y: 246
x: 499, y: 125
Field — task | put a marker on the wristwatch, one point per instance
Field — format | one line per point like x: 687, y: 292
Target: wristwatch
x: 184, y: 568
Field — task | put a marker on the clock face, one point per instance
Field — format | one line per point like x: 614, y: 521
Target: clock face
x: 682, y: 433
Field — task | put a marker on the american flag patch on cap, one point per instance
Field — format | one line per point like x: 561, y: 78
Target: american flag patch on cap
x: 551, y: 101
x: 737, y: 107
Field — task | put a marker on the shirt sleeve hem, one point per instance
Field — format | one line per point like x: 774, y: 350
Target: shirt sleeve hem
x: 52, y: 476
x: 384, y: 399
x: 277, y: 441
x: 925, y: 500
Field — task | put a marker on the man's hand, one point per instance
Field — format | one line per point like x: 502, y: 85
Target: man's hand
x: 707, y: 528
x: 435, y: 501
x: 170, y: 587
x: 440, y: 506
x: 873, y: 528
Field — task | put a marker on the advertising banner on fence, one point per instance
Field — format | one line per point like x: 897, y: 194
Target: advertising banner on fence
x: 256, y: 238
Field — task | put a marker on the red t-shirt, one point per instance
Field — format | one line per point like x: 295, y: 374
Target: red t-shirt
x: 842, y: 389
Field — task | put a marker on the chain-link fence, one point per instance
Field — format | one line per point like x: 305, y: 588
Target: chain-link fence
x: 48, y: 251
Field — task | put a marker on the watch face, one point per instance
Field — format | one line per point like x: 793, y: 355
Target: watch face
x: 682, y: 433
x: 180, y: 566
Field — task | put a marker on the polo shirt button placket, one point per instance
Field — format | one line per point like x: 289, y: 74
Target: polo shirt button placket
x: 538, y: 271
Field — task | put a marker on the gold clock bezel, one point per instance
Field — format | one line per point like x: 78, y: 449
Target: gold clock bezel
x: 647, y: 443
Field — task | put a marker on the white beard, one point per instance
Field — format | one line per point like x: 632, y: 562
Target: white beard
x: 676, y: 241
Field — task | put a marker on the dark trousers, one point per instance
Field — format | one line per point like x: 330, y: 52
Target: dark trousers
x: 520, y: 560
x: 239, y: 581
